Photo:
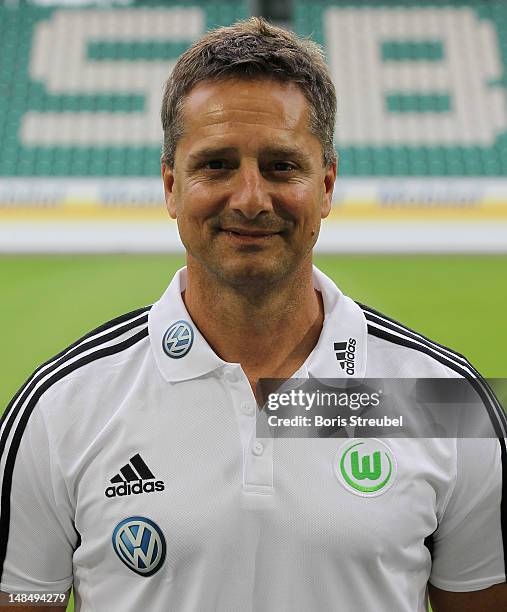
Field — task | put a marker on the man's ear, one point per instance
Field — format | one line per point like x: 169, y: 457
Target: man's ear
x: 327, y: 196
x: 168, y: 180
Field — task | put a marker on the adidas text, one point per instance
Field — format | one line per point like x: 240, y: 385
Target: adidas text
x: 350, y: 356
x: 135, y: 488
x: 346, y: 355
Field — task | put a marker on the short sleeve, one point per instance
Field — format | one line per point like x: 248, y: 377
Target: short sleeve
x: 36, y: 517
x: 468, y: 549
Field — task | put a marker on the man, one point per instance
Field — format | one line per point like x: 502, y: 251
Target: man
x: 130, y: 464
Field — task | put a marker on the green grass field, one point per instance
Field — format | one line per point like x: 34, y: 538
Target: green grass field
x: 48, y: 302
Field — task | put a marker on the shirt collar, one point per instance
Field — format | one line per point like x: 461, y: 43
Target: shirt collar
x: 341, y: 349
x: 182, y: 353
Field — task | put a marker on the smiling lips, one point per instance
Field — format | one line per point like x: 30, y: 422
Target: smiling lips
x: 248, y: 231
x: 248, y: 234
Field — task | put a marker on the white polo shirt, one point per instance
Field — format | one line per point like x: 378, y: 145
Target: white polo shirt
x: 130, y: 469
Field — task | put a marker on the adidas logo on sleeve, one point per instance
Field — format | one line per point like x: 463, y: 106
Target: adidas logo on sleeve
x: 134, y: 478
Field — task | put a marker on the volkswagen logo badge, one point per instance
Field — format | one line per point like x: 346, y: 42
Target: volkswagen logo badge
x: 140, y: 544
x: 178, y: 339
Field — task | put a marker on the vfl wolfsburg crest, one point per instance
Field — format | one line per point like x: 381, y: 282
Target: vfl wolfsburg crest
x: 366, y: 467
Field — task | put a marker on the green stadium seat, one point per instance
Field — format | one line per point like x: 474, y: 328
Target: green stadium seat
x: 28, y: 94
x: 438, y: 156
x: 411, y: 158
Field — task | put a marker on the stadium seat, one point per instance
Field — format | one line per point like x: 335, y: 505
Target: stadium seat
x: 420, y: 84
x: 50, y: 98
x: 400, y: 67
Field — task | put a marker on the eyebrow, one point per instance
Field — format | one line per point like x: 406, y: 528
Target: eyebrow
x: 275, y: 151
x: 211, y: 152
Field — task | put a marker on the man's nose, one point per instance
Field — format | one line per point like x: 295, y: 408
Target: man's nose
x: 250, y: 194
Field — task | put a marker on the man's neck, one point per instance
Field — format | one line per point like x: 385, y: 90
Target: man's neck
x: 269, y: 337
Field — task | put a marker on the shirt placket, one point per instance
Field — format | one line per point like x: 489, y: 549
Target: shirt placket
x: 257, y: 452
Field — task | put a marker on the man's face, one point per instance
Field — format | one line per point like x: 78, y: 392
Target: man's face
x: 248, y: 187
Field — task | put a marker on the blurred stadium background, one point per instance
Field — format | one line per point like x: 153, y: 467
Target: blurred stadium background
x: 421, y: 129
x: 419, y: 223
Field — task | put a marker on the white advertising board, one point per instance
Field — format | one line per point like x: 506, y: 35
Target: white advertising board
x: 368, y: 215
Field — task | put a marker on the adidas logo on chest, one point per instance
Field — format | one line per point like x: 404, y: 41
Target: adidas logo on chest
x: 134, y: 478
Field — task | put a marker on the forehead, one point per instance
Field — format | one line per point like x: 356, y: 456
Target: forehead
x: 238, y: 106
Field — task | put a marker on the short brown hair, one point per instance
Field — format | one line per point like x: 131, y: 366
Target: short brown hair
x: 252, y: 49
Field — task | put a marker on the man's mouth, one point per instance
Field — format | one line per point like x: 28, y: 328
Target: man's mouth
x: 249, y: 232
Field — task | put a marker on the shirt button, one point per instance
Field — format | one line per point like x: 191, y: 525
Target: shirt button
x: 247, y: 408
x: 258, y: 449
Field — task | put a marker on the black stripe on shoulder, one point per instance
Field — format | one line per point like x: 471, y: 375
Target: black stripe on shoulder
x: 494, y: 410
x: 112, y: 322
x: 129, y: 316
x: 18, y: 434
x: 371, y: 314
x: 379, y: 319
x: 465, y: 367
x: 90, y: 341
x: 503, y: 503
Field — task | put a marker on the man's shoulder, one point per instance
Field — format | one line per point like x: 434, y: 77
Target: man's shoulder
x: 403, y: 351
x: 75, y: 368
x: 397, y: 351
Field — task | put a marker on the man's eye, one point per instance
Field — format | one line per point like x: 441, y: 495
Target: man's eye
x: 283, y: 167
x: 215, y: 164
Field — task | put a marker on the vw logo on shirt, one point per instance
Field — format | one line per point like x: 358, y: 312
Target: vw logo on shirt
x: 178, y: 339
x: 140, y: 544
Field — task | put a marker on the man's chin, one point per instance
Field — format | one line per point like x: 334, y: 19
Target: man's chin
x: 252, y: 275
